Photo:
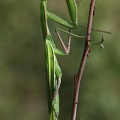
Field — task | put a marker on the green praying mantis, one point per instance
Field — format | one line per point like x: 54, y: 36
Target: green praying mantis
x: 53, y: 71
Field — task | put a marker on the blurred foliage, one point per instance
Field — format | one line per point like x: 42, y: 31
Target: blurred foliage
x: 22, y: 70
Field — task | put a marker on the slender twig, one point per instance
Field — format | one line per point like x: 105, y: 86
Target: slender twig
x: 78, y: 77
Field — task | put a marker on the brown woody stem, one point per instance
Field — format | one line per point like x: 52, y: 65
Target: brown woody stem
x: 78, y: 77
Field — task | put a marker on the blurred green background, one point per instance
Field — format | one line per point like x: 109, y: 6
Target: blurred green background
x: 22, y: 70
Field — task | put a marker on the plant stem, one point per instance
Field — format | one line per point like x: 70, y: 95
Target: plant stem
x: 78, y: 77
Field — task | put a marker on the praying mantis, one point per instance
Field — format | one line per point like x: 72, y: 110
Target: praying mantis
x: 53, y: 71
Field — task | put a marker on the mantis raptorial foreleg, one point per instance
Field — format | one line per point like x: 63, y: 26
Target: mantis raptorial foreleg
x: 101, y: 31
x: 99, y: 42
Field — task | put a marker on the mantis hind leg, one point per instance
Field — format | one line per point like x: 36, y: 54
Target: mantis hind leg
x: 66, y: 49
x: 57, y: 89
x: 57, y: 82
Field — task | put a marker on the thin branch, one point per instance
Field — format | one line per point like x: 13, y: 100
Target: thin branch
x: 78, y: 77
